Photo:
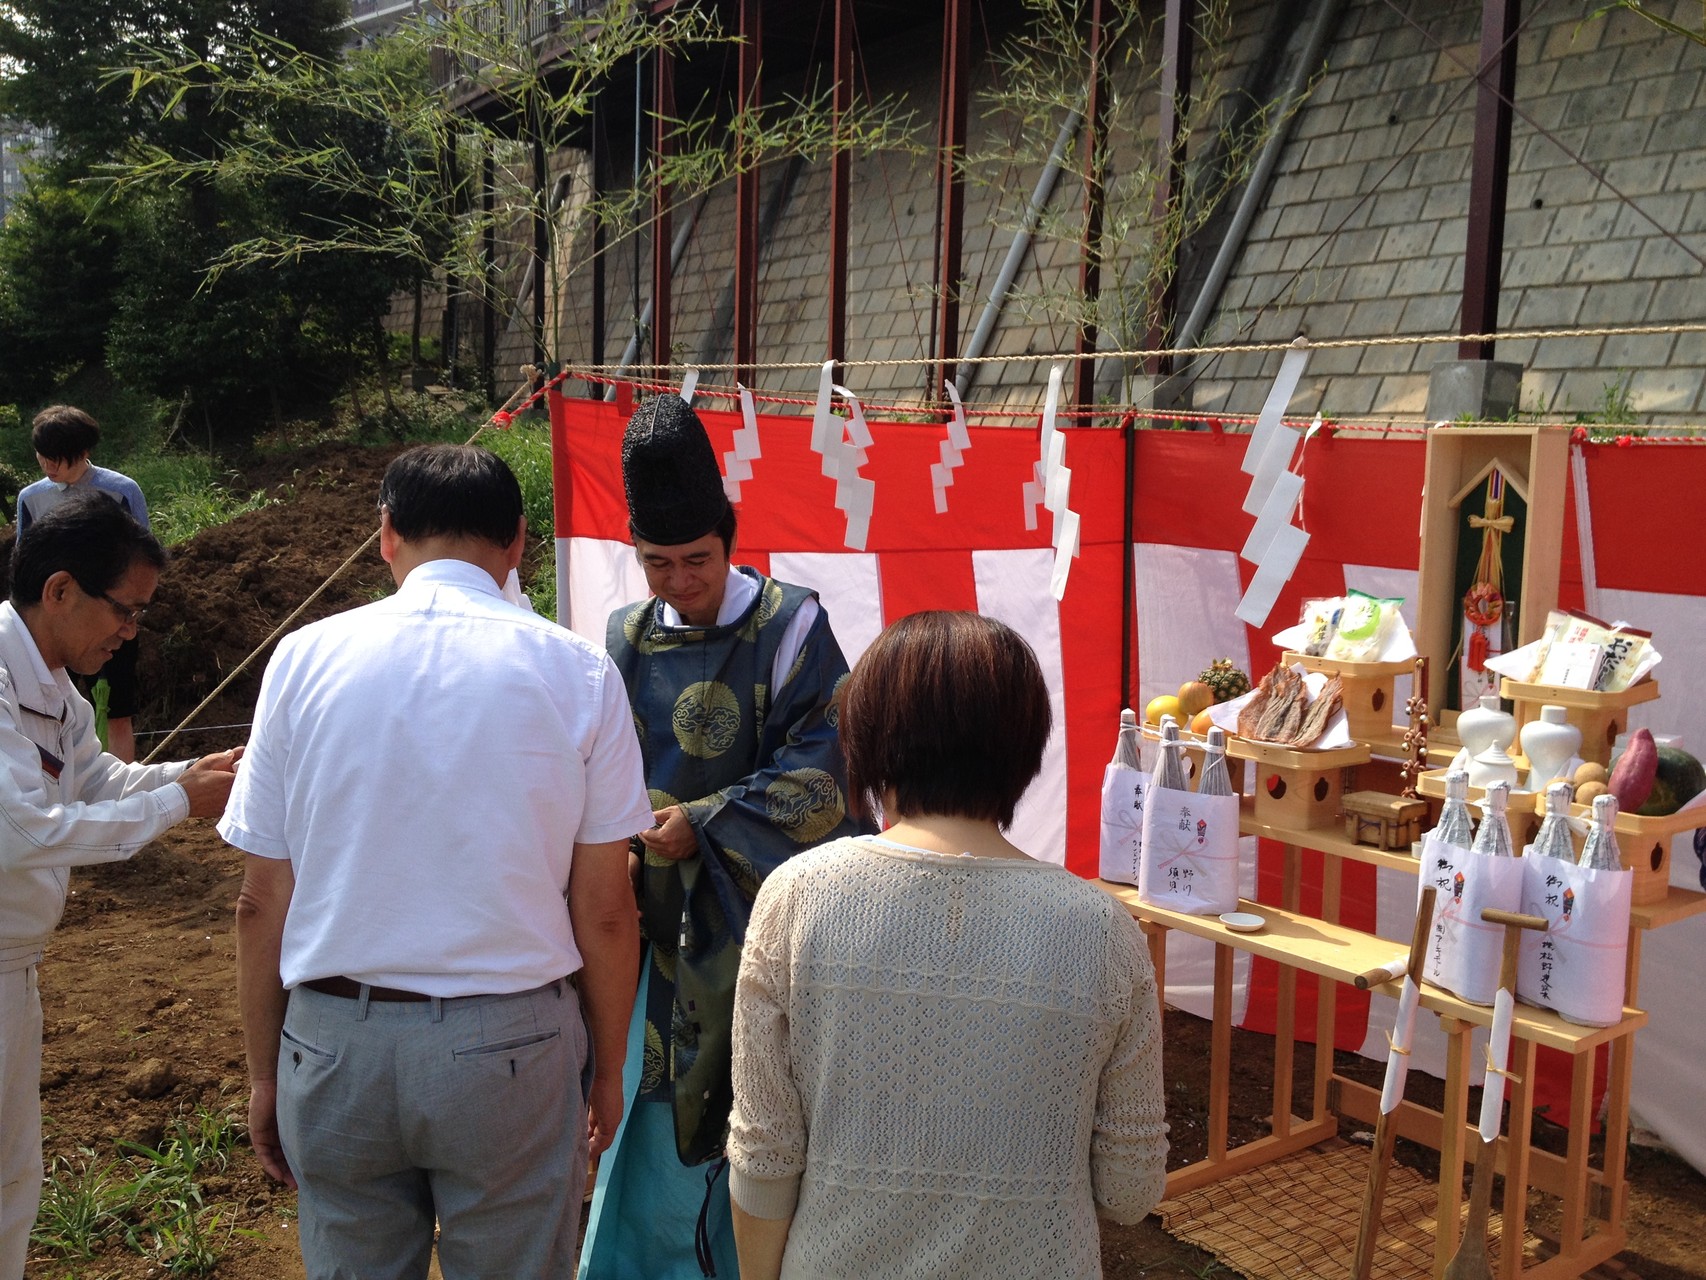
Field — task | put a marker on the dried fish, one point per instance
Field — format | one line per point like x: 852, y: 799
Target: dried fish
x: 1320, y: 711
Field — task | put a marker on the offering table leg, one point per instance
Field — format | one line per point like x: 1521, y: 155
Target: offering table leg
x: 1575, y: 1212
x: 1326, y: 996
x: 1614, y: 1178
x: 1520, y: 1131
x: 1285, y: 1010
x: 1454, y: 1114
x: 1220, y: 1067
x: 1156, y: 936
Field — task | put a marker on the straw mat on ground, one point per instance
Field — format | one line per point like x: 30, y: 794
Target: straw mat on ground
x: 1298, y: 1218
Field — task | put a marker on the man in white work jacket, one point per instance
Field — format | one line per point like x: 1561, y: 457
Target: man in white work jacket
x: 82, y: 577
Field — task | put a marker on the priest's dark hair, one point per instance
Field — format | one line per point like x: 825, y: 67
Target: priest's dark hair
x: 452, y: 490
x: 88, y: 535
x: 949, y: 712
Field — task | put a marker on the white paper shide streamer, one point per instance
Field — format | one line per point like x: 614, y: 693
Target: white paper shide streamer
x: 1053, y: 483
x: 842, y: 444
x: 953, y: 454
x: 737, y: 462
x: 1275, y: 545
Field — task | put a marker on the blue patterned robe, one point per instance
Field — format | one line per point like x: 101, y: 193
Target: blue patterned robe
x: 759, y: 773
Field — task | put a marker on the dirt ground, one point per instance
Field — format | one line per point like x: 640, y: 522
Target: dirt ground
x: 137, y: 987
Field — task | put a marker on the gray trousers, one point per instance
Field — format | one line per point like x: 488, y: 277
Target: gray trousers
x: 466, y: 1112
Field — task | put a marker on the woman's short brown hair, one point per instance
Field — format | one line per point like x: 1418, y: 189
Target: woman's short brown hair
x: 950, y: 712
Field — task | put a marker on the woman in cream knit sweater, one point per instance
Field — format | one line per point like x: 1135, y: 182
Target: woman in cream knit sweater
x: 947, y: 1055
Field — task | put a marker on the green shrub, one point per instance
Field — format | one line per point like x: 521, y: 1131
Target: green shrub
x: 526, y: 446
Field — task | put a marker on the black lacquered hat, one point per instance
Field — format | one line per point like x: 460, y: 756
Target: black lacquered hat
x: 670, y: 472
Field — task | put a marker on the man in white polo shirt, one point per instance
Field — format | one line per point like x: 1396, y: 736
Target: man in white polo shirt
x: 427, y: 777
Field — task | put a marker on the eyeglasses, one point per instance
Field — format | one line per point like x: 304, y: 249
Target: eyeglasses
x: 130, y: 615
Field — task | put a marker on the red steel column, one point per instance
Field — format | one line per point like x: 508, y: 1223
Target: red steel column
x: 596, y: 162
x: 840, y: 180
x: 1489, y: 174
x: 950, y: 186
x: 1090, y: 257
x: 663, y: 112
x: 750, y: 90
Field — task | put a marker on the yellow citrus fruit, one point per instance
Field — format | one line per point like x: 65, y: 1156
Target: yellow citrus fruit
x: 1195, y: 696
x: 1165, y: 705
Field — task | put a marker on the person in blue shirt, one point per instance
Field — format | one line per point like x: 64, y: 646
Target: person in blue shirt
x: 64, y: 436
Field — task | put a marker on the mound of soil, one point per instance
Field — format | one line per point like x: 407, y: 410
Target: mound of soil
x: 229, y: 588
x: 138, y: 985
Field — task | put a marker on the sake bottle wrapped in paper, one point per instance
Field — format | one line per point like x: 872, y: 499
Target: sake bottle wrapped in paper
x: 1464, y: 951
x: 1124, y: 788
x: 1190, y: 838
x: 1577, y: 966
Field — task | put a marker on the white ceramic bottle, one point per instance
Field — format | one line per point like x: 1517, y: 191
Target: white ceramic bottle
x: 1479, y: 728
x: 1549, y: 743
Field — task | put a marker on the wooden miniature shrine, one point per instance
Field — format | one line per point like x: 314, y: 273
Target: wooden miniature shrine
x: 1299, y: 799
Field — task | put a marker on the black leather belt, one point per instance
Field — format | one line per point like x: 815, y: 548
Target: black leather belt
x: 350, y: 989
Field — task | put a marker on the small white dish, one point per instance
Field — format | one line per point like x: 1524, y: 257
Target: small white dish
x: 1242, y: 921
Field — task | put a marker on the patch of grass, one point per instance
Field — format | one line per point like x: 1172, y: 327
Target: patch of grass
x: 149, y: 1200
x: 83, y: 1204
x: 184, y: 492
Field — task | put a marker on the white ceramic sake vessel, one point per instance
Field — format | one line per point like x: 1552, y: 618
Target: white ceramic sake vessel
x: 1550, y: 743
x: 1485, y: 726
x: 1492, y: 765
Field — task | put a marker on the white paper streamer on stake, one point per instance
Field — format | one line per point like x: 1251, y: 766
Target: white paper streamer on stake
x: 1403, y: 1032
x: 1498, y: 1059
x: 1275, y: 515
x: 688, y: 384
x: 1279, y: 396
x: 737, y: 462
x: 952, y: 452
x: 1272, y: 574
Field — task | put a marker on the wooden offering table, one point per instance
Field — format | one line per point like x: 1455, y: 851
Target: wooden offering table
x: 1592, y: 1198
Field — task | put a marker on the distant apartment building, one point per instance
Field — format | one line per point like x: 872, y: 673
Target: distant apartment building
x: 19, y: 144
x: 371, y: 19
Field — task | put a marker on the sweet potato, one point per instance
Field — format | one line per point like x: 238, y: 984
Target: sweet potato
x: 1633, y: 772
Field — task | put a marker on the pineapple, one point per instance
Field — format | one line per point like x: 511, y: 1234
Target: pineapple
x: 1227, y: 681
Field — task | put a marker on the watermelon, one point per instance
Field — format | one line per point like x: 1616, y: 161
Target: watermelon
x: 1679, y: 779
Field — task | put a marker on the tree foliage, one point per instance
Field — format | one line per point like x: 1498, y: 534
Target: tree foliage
x: 136, y: 264
x: 275, y: 197
x: 65, y: 53
x: 58, y: 260
x: 1043, y: 82
x: 418, y: 201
